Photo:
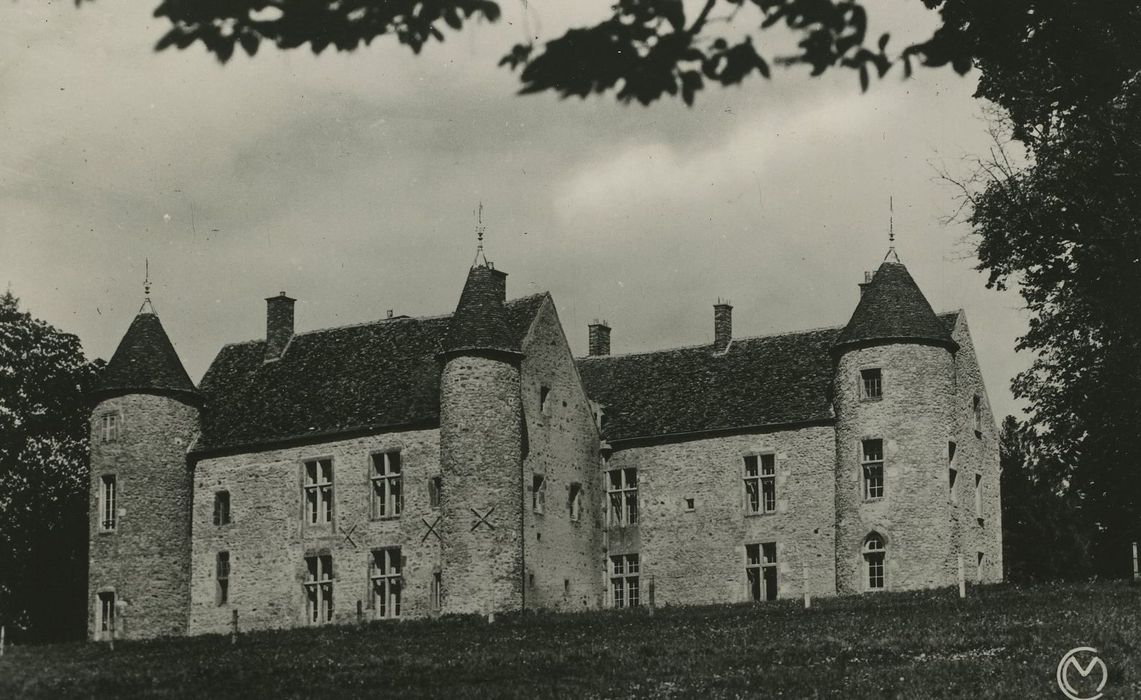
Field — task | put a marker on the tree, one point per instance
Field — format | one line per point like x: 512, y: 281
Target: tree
x: 1066, y: 229
x: 43, y: 476
x: 1042, y: 538
x: 644, y: 49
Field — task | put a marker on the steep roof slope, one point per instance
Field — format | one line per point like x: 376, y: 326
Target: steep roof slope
x: 339, y: 380
x: 769, y: 380
x: 892, y: 308
x: 145, y: 362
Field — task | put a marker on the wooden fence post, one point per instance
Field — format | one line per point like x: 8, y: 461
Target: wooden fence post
x: 962, y: 579
x: 807, y: 595
x: 652, y: 587
x: 234, y: 627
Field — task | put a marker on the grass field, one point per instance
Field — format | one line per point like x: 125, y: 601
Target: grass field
x: 999, y: 642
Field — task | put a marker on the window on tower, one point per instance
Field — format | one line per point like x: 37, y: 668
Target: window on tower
x: 109, y: 427
x: 872, y: 380
x: 875, y: 555
x: 221, y: 507
x: 872, y: 464
x: 387, y: 485
x: 108, y: 491
x: 222, y: 576
x: 574, y: 501
x: 538, y: 493
x: 318, y: 491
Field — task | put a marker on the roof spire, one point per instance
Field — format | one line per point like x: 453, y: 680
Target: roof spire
x: 891, y: 254
x: 147, y: 288
x: 480, y: 229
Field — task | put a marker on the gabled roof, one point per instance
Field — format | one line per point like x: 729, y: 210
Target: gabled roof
x: 765, y: 381
x: 145, y: 362
x: 893, y: 309
x: 479, y: 322
x: 340, y: 380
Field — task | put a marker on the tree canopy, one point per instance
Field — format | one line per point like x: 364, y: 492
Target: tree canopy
x: 43, y: 476
x: 640, y: 50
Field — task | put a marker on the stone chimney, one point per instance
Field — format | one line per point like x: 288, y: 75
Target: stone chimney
x: 868, y: 276
x: 722, y: 325
x: 599, y: 338
x: 278, y: 325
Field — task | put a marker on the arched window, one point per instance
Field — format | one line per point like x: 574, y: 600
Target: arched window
x: 875, y: 552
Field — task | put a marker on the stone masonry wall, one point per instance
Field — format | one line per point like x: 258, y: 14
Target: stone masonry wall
x: 145, y: 560
x: 913, y: 420
x: 481, y: 423
x: 976, y: 454
x: 697, y: 557
x: 268, y: 537
x: 562, y: 556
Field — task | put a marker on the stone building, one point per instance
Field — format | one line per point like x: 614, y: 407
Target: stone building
x: 469, y: 463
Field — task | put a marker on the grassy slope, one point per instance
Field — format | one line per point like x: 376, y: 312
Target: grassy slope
x: 1000, y: 642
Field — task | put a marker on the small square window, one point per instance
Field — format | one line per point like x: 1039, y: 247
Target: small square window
x: 872, y: 383
x: 689, y: 505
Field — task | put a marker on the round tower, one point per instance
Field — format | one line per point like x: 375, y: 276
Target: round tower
x: 892, y: 395
x: 481, y: 453
x: 145, y: 415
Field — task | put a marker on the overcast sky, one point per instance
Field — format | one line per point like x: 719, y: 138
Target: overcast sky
x: 351, y: 181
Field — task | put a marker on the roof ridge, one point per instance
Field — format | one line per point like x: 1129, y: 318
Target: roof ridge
x: 697, y: 346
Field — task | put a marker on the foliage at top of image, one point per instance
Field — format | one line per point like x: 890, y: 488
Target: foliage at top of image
x: 643, y: 51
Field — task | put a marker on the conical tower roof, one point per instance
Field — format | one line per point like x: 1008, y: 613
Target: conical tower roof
x: 146, y: 363
x: 480, y: 322
x: 892, y: 309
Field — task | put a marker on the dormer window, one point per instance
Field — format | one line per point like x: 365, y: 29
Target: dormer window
x: 872, y: 383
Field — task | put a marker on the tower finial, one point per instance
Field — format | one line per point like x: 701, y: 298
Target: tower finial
x: 891, y: 254
x: 147, y: 287
x: 480, y: 229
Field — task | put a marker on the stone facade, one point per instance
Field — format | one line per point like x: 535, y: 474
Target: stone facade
x: 141, y: 554
x: 504, y: 499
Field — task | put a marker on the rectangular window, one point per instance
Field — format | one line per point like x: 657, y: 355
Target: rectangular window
x: 107, y: 494
x: 387, y: 485
x: 222, y: 575
x: 574, y: 501
x: 106, y: 615
x: 109, y: 427
x: 384, y: 572
x: 761, y: 570
x: 624, y: 580
x: 622, y: 492
x: 435, y: 488
x: 979, y: 497
x: 437, y: 592
x: 873, y: 383
x: 319, y: 491
x: 319, y: 588
x: 872, y: 463
x: 538, y: 493
x: 221, y: 507
x: 760, y: 484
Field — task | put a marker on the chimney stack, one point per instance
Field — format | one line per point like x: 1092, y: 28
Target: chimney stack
x: 278, y: 325
x: 599, y: 338
x: 722, y: 325
x: 868, y: 276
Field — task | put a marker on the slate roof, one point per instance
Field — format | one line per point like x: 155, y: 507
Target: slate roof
x: 339, y: 380
x: 479, y: 322
x: 764, y: 381
x: 145, y: 362
x: 893, y: 308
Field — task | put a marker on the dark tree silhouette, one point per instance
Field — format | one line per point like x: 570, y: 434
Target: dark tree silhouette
x: 43, y: 477
x: 640, y: 50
